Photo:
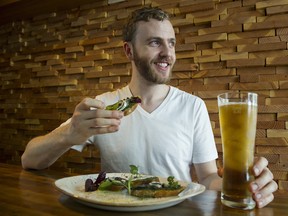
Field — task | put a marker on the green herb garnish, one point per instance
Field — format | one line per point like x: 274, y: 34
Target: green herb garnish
x: 172, y: 183
x: 134, y: 171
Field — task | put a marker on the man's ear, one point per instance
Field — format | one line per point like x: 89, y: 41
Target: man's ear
x: 128, y: 49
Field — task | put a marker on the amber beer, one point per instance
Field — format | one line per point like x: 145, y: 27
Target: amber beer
x: 238, y: 119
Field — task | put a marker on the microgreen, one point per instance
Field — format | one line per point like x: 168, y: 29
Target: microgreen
x: 134, y: 172
x: 172, y: 183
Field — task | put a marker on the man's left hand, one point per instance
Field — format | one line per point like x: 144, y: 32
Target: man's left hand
x: 263, y: 186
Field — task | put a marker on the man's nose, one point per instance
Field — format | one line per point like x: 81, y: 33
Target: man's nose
x: 167, y: 50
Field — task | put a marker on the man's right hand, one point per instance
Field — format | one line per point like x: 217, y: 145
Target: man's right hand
x: 91, y: 118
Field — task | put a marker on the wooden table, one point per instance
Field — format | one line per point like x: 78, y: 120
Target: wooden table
x: 33, y: 193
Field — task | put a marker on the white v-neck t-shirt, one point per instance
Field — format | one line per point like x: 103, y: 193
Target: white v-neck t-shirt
x: 165, y: 142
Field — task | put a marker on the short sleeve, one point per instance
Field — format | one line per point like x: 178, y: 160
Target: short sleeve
x: 204, y: 149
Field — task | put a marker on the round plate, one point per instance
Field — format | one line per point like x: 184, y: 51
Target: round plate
x: 120, y: 201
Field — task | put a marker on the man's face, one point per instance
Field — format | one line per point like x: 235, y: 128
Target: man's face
x: 154, y: 50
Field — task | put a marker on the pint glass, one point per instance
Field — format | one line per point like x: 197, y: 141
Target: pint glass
x: 238, y: 119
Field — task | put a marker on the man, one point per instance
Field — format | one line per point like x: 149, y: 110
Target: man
x: 168, y: 133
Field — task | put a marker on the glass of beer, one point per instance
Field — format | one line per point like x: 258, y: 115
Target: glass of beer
x: 238, y: 119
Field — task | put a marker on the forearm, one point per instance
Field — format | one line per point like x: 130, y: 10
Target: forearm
x: 43, y: 151
x: 212, y: 182
x: 208, y: 176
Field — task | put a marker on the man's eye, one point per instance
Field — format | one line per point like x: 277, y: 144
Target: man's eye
x: 154, y: 43
x: 172, y: 44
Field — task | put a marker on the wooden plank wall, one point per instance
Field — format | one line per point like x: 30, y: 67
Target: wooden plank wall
x: 51, y: 62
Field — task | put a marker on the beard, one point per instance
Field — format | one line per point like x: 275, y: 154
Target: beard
x: 147, y: 72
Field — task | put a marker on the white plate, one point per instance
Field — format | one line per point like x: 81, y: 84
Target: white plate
x: 121, y: 201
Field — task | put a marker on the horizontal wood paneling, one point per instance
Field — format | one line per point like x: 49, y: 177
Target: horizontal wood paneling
x: 51, y: 61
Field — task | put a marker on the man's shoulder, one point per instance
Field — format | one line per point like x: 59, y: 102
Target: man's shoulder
x: 180, y: 94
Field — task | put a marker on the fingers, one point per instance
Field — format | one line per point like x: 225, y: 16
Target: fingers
x: 85, y: 121
x: 264, y: 196
x: 260, y: 164
x: 263, y: 186
x: 90, y: 118
x: 100, y: 113
x: 88, y: 103
x: 265, y: 177
x: 101, y: 122
x: 263, y: 202
x: 104, y: 130
x: 93, y: 109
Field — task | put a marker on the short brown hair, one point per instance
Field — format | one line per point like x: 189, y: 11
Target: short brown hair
x: 143, y: 14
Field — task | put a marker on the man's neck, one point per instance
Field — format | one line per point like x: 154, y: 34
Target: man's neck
x: 152, y: 95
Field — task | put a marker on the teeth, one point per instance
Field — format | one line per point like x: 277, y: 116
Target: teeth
x: 163, y: 64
